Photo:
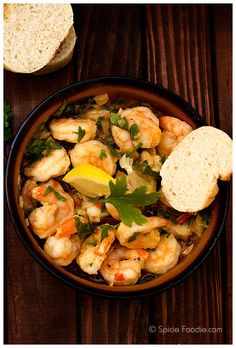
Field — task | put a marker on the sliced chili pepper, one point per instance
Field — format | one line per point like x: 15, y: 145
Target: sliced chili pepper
x: 119, y: 277
x: 183, y: 218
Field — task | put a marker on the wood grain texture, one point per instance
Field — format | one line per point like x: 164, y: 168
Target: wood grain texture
x: 222, y: 39
x: 186, y: 48
x: 34, y: 305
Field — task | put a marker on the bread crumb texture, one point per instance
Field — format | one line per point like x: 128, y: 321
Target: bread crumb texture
x: 33, y: 33
x: 190, y: 173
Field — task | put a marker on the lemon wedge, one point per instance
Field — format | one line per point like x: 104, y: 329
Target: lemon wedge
x: 89, y: 180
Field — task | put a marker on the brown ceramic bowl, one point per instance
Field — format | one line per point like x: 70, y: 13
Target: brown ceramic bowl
x: 165, y: 101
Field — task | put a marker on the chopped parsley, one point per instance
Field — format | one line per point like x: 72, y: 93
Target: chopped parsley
x: 38, y: 148
x: 133, y: 237
x: 57, y: 194
x: 103, y: 154
x: 134, y: 131
x: 83, y: 230
x: 81, y: 133
x: 205, y: 214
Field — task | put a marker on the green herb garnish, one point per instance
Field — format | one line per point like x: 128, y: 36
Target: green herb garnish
x: 57, y: 194
x: 105, y: 229
x: 93, y: 243
x: 130, y: 153
x: 126, y: 203
x: 147, y: 278
x: 114, y: 119
x: 38, y: 148
x: 7, y: 121
x: 134, y: 131
x: 61, y: 108
x: 81, y: 133
x: 205, y: 214
x: 103, y: 154
x: 83, y: 230
x: 133, y: 237
x: 147, y: 169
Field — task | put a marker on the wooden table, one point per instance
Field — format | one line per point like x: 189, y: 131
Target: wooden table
x: 186, y: 48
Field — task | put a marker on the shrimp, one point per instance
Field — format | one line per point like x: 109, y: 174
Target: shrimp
x: 57, y: 207
x: 62, y: 250
x: 144, y: 236
x: 154, y: 161
x: 93, y: 210
x: 182, y: 231
x: 94, y: 249
x: 28, y: 203
x: 164, y: 257
x: 96, y: 113
x: 122, y: 139
x: 95, y: 153
x: 54, y: 165
x: 67, y: 129
x: 148, y: 125
x: 173, y: 131
x: 112, y: 211
x: 123, y: 266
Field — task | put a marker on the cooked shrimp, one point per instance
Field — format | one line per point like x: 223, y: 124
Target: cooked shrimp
x: 164, y: 257
x: 94, y: 249
x: 96, y: 113
x: 26, y: 196
x: 137, y: 179
x: 154, y: 161
x: 182, y: 231
x: 95, y: 153
x: 62, y: 250
x: 147, y: 123
x: 173, y: 131
x: 93, y: 210
x: 112, y: 211
x: 123, y: 266
x: 54, y: 165
x: 55, y: 210
x: 141, y: 236
x: 122, y: 139
x: 67, y: 129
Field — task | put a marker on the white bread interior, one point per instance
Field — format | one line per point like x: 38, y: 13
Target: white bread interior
x: 190, y: 173
x: 33, y: 33
x: 62, y: 56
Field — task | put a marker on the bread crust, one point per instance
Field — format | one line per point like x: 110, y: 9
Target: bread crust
x: 33, y: 33
x: 190, y: 173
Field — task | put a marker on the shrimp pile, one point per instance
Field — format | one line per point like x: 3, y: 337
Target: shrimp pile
x: 123, y: 139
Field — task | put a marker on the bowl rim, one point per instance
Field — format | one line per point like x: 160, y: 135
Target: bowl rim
x: 156, y: 88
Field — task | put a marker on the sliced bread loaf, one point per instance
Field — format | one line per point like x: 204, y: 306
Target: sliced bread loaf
x: 62, y: 56
x: 33, y: 33
x: 190, y: 173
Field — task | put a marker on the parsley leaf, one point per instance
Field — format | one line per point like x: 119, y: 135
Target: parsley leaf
x: 133, y: 237
x: 7, y: 121
x: 125, y: 203
x: 130, y: 153
x: 206, y: 217
x: 103, y: 154
x: 57, y: 194
x: 134, y: 131
x: 81, y: 133
x: 62, y: 107
x: 37, y: 148
x: 83, y: 230
x: 147, y: 169
x: 105, y: 229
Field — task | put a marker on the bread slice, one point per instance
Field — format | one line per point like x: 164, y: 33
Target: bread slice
x: 190, y: 173
x: 62, y: 56
x: 33, y: 33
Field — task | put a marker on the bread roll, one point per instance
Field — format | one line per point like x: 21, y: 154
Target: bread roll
x: 33, y: 33
x: 190, y: 173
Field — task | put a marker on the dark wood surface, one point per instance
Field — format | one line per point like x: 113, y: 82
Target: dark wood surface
x: 186, y: 48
